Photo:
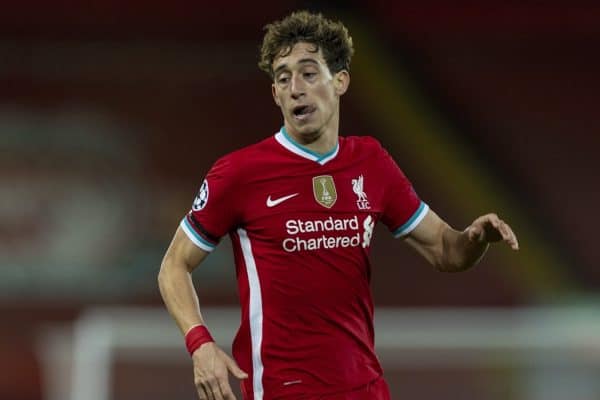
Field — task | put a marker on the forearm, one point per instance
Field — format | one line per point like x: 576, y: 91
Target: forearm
x: 179, y: 295
x: 458, y: 252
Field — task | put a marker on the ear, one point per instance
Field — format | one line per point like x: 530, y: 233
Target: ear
x: 341, y: 81
x: 274, y: 93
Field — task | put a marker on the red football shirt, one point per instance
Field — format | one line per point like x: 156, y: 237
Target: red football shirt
x: 301, y: 225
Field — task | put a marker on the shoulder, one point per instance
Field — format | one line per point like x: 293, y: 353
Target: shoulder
x: 364, y: 145
x: 370, y: 150
x: 236, y: 163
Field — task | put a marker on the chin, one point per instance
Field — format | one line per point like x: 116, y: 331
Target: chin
x: 310, y: 134
x: 309, y: 131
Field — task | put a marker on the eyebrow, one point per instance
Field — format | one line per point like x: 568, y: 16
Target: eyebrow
x: 301, y: 61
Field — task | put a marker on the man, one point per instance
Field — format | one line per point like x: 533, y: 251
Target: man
x: 300, y: 208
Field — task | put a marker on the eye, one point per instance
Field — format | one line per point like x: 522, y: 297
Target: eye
x: 309, y: 75
x: 283, y: 80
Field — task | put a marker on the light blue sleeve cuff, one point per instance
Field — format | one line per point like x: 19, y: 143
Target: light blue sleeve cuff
x: 412, y: 222
x: 195, y: 237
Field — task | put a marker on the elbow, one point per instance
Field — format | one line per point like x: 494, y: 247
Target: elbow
x: 161, y: 277
x: 166, y: 277
x: 171, y: 268
x: 163, y: 272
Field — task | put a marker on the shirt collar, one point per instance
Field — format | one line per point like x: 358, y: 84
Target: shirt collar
x: 289, y: 143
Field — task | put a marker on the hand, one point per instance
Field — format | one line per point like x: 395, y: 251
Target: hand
x: 211, y: 372
x: 489, y: 228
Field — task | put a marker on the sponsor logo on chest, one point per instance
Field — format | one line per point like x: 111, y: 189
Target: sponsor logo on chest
x: 328, y: 233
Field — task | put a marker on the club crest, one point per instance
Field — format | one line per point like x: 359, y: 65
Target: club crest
x: 324, y: 190
x: 358, y: 187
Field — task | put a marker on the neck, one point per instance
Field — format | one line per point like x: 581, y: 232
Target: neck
x: 321, y: 142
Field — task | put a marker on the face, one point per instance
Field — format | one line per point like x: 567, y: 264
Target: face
x: 307, y: 93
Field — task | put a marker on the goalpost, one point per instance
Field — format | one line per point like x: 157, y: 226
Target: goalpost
x: 559, y: 346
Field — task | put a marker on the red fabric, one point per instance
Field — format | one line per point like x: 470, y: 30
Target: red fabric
x: 376, y: 390
x: 302, y: 265
x: 196, y: 337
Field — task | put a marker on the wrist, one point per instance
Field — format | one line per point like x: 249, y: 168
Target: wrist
x: 196, y: 337
x: 474, y: 235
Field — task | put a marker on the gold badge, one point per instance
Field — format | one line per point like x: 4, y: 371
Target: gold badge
x: 324, y: 190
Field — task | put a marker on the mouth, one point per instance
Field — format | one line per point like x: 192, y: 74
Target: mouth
x: 303, y: 112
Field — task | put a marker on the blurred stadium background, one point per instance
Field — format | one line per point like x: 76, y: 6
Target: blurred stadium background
x: 112, y: 111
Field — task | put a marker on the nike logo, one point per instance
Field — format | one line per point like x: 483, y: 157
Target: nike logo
x: 274, y: 202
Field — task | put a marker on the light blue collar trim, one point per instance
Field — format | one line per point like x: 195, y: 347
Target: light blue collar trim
x: 289, y: 143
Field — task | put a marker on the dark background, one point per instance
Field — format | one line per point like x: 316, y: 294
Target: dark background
x: 111, y: 113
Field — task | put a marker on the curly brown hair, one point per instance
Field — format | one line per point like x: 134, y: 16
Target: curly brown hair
x: 303, y: 26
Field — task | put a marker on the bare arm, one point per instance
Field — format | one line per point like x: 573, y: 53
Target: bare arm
x: 211, y: 364
x: 175, y: 281
x: 450, y: 250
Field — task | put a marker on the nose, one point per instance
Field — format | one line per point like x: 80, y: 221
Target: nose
x: 297, y: 88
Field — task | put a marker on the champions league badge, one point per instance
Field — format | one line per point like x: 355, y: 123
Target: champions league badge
x: 201, y: 198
